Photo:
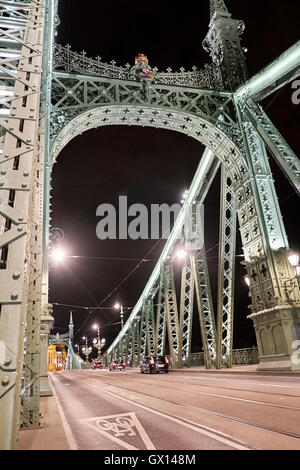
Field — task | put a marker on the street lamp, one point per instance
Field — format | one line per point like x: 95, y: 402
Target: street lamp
x: 58, y: 255
x: 86, y: 350
x: 184, y: 196
x: 291, y: 284
x: 294, y: 260
x: 98, y: 344
x: 118, y: 306
x: 181, y: 254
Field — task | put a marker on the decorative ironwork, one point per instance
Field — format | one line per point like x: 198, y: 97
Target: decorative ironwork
x: 65, y: 60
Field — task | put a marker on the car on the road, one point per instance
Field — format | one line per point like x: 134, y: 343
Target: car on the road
x: 148, y: 365
x: 154, y: 364
x: 118, y: 364
x: 162, y: 363
x: 97, y: 365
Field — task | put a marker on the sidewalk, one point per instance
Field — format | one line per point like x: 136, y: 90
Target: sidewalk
x: 51, y: 435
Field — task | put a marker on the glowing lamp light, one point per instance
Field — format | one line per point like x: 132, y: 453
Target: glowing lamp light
x: 58, y: 255
x: 181, y: 254
x: 294, y: 260
x: 117, y: 306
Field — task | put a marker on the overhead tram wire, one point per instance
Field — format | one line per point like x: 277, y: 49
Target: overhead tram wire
x: 141, y: 261
x: 106, y: 258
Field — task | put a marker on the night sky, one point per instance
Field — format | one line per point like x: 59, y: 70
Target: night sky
x: 149, y: 165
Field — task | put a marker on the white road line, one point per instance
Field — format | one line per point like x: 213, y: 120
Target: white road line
x: 68, y: 432
x: 249, y: 401
x: 192, y: 426
x: 260, y: 384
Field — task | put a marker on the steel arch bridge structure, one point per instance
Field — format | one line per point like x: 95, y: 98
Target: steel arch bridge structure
x: 48, y: 95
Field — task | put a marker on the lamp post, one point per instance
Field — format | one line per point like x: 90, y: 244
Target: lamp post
x: 86, y: 350
x: 294, y: 261
x: 120, y: 307
x: 97, y: 342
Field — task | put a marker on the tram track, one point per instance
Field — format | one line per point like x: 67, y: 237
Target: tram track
x: 204, y: 411
x: 276, y: 405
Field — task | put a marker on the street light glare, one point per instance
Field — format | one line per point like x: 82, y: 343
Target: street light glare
x: 58, y: 255
x: 181, y: 254
x: 117, y: 306
x: 294, y: 260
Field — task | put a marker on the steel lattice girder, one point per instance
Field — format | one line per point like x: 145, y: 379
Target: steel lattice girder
x: 21, y: 215
x: 205, y: 306
x: 160, y: 333
x: 171, y: 311
x: 281, y: 151
x: 279, y: 73
x: 207, y: 167
x: 186, y: 310
x: 226, y: 276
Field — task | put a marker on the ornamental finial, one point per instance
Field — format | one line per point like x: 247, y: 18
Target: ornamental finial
x: 141, y: 58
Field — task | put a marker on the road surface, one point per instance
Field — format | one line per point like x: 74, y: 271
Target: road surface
x: 118, y: 410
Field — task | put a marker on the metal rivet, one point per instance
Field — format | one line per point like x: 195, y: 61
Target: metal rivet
x: 14, y: 296
x: 5, y: 380
x: 7, y: 362
x: 16, y: 275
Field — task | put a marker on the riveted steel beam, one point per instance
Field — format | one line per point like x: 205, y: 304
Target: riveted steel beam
x: 279, y: 73
x: 186, y: 311
x: 226, y: 276
x: 22, y: 23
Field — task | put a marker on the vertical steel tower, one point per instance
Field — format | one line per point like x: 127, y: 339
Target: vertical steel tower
x: 48, y: 95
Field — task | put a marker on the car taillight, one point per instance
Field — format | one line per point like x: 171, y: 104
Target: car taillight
x: 167, y: 360
x: 152, y: 361
x: 123, y: 364
x: 114, y: 364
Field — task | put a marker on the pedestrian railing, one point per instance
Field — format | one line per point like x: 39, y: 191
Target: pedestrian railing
x: 244, y: 356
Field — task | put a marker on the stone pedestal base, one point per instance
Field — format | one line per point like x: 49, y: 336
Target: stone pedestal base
x: 278, y: 338
x: 45, y: 388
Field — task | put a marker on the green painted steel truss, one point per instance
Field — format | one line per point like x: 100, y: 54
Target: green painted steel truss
x: 48, y: 95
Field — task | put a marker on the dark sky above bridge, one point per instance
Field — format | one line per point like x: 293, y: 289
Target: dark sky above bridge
x: 148, y: 165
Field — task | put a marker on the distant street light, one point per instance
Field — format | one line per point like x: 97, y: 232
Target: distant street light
x: 97, y: 342
x: 86, y: 350
x: 181, y: 254
x: 118, y: 306
x: 58, y: 255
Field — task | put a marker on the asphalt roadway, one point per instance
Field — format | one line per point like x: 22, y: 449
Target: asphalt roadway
x: 118, y: 410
